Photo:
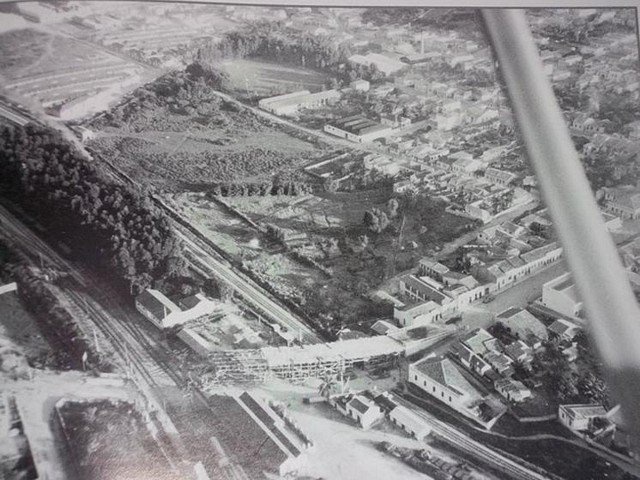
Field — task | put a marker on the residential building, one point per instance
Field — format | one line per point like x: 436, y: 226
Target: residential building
x: 623, y: 201
x: 564, y: 330
x: 476, y: 341
x: 164, y: 313
x: 403, y: 186
x: 520, y: 352
x: 561, y: 295
x: 579, y: 417
x: 410, y: 313
x: 363, y: 410
x: 525, y: 325
x: 432, y: 268
x: 443, y: 380
x: 512, y: 390
x: 499, y: 177
x: 469, y: 359
x: 499, y: 362
x: 382, y: 327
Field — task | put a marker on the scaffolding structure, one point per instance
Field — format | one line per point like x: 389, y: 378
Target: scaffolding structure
x: 238, y: 367
x: 297, y: 363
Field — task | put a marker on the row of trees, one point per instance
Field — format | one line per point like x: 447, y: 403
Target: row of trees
x: 110, y: 225
x: 261, y: 189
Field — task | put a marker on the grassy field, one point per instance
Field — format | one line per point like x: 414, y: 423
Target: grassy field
x: 265, y: 79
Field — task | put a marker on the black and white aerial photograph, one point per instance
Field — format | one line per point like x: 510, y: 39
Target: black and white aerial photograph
x: 252, y: 242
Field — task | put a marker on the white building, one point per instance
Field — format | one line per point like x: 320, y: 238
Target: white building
x: 579, y: 417
x: 364, y: 411
x: 290, y: 103
x: 512, y: 390
x: 410, y: 422
x: 443, y: 380
x: 561, y: 295
x: 164, y: 313
x: 386, y: 65
x: 360, y: 85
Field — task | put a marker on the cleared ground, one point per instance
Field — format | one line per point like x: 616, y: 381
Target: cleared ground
x: 264, y: 78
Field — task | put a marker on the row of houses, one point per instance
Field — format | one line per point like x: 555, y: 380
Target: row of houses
x: 522, y: 335
x: 368, y: 408
x: 435, y: 293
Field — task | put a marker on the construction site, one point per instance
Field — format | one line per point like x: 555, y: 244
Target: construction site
x: 298, y: 363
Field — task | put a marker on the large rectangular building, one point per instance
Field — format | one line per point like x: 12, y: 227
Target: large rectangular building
x: 164, y: 313
x: 443, y: 380
x: 290, y: 103
x: 561, y: 295
x: 358, y: 129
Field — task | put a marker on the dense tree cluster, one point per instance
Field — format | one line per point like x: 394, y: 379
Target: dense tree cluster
x: 462, y: 19
x: 274, y: 42
x: 189, y: 92
x: 109, y: 225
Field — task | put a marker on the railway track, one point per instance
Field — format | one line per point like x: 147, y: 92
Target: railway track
x: 134, y: 348
x: 475, y: 449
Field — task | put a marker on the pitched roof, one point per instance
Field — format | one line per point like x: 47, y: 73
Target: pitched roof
x: 539, y: 252
x: 157, y: 303
x: 476, y: 339
x: 360, y: 403
x: 517, y: 349
x: 523, y: 323
x: 562, y: 326
x: 627, y: 196
x: 446, y: 373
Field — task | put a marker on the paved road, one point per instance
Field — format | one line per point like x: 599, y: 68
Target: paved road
x: 472, y: 447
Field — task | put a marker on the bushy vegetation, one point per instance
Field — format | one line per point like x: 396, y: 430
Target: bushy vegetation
x: 186, y: 93
x: 110, y: 225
